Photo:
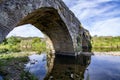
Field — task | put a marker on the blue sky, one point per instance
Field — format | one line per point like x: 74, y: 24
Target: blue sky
x: 100, y: 17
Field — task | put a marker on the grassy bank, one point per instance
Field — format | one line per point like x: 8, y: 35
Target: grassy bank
x: 14, y: 54
x: 18, y: 44
x: 12, y: 66
x: 105, y: 44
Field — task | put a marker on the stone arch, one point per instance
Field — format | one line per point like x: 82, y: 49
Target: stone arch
x: 49, y: 22
x: 42, y: 14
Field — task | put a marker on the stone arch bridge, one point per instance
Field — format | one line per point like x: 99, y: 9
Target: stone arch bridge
x: 52, y: 17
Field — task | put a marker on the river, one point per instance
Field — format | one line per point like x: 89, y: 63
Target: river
x: 1, y: 78
x: 82, y: 67
x: 104, y: 67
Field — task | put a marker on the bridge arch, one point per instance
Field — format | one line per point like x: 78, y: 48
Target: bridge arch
x: 49, y: 22
x: 52, y: 17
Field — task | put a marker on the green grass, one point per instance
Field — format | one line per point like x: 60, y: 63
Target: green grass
x: 12, y: 60
x: 12, y: 66
x: 15, y: 44
x: 105, y: 44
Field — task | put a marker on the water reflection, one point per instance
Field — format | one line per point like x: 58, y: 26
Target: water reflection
x: 1, y: 78
x: 37, y: 65
x: 104, y: 68
x: 68, y: 67
x: 48, y: 67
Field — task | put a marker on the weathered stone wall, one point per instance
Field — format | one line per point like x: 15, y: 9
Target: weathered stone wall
x: 45, y: 13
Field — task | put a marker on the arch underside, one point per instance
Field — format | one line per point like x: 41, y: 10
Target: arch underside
x: 50, y: 23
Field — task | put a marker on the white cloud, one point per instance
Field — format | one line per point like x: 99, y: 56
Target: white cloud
x: 97, y: 16
x: 87, y: 9
x: 107, y: 27
x: 26, y: 31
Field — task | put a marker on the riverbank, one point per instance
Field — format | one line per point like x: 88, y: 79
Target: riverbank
x: 12, y: 66
x: 107, y: 53
x: 101, y: 53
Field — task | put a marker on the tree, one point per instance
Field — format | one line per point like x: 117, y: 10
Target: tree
x: 36, y: 40
x: 13, y: 40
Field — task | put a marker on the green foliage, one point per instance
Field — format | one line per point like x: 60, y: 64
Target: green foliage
x: 16, y: 44
x: 34, y: 44
x: 15, y: 62
x: 4, y: 50
x: 13, y: 40
x: 13, y: 48
x: 36, y: 40
x: 4, y: 42
x: 25, y: 75
x: 39, y: 46
x: 106, y: 43
x: 10, y: 45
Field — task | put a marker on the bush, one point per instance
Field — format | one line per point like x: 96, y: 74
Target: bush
x: 13, y: 40
x: 39, y: 46
x: 25, y: 75
x: 105, y: 44
x: 14, y: 44
x: 3, y: 50
x: 13, y: 49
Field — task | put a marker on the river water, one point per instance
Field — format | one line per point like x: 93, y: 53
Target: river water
x: 1, y: 78
x: 104, y: 68
x: 82, y: 67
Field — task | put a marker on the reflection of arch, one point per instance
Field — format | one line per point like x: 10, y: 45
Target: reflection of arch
x: 66, y: 67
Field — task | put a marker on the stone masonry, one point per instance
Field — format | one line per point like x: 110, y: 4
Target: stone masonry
x: 52, y: 17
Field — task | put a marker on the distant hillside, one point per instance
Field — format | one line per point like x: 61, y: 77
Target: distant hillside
x: 107, y: 43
